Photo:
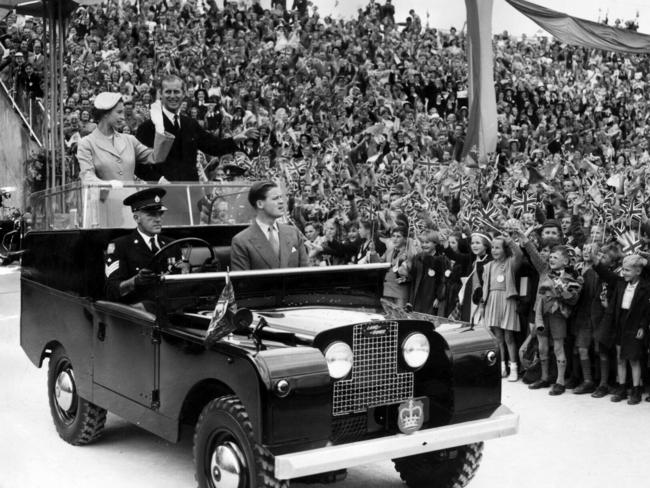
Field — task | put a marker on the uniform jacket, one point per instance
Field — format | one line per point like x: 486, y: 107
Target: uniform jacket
x: 180, y: 164
x: 638, y: 317
x: 125, y: 256
x: 100, y: 160
x: 250, y: 249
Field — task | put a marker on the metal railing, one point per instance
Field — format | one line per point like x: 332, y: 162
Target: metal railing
x: 32, y: 118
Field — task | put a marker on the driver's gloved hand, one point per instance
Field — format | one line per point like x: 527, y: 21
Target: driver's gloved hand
x: 145, y: 277
x: 210, y: 266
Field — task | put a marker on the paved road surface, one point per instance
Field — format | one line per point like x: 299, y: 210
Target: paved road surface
x: 568, y: 441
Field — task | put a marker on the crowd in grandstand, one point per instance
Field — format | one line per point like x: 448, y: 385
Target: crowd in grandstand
x: 363, y: 121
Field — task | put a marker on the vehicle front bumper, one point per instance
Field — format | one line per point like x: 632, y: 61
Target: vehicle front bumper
x: 501, y: 423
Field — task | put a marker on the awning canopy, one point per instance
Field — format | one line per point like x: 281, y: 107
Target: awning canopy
x: 582, y: 32
x: 35, y: 8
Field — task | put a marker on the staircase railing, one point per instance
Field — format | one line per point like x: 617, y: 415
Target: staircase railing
x: 35, y: 112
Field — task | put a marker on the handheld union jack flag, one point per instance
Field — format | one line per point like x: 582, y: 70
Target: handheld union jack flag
x: 630, y: 242
x: 460, y: 185
x: 523, y: 203
x: 633, y: 211
x: 490, y: 212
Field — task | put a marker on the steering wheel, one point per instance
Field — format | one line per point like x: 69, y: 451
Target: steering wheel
x: 163, y: 251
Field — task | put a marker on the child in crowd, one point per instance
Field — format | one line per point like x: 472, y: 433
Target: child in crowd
x: 426, y: 275
x: 395, y: 282
x: 607, y: 265
x: 588, y: 310
x: 472, y: 291
x: 628, y: 315
x: 558, y: 293
x: 499, y: 302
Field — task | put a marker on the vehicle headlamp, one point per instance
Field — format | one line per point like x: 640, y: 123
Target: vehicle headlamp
x: 415, y: 349
x: 339, y: 359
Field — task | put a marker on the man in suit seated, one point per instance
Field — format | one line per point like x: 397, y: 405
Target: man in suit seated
x: 265, y: 244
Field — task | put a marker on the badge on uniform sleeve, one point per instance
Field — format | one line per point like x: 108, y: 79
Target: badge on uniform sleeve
x: 111, y: 268
x: 111, y: 248
x: 447, y: 273
x: 431, y: 272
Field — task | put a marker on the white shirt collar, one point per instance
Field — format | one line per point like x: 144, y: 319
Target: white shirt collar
x: 147, y: 239
x: 265, y: 227
x: 171, y: 115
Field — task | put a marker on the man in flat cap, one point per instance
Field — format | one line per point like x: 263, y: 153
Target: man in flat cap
x: 266, y: 244
x: 130, y: 268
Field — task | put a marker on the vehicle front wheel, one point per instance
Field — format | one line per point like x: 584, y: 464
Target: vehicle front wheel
x: 225, y: 452
x: 449, y: 468
x: 76, y: 420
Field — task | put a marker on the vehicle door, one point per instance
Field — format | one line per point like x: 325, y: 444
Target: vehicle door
x: 125, y: 352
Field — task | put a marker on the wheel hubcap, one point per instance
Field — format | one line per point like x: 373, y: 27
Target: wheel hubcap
x: 226, y: 466
x: 64, y: 390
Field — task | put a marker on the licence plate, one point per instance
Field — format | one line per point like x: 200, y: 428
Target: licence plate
x: 411, y: 415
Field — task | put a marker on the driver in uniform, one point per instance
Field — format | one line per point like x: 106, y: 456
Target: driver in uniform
x: 129, y: 264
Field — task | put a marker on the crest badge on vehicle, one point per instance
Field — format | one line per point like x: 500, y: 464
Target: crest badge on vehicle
x: 410, y: 416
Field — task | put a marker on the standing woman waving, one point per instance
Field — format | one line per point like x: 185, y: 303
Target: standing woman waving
x: 499, y: 301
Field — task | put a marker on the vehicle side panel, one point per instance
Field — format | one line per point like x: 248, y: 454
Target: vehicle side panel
x: 47, y: 316
x: 184, y: 364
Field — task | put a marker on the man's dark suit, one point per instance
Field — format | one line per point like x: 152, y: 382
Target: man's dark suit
x: 180, y: 164
x: 126, y: 256
x: 250, y: 249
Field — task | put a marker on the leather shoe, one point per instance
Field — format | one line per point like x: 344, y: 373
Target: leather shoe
x: 557, y: 389
x: 571, y: 383
x: 539, y: 384
x: 619, y: 393
x: 635, y: 396
x: 600, y: 392
x: 585, y: 387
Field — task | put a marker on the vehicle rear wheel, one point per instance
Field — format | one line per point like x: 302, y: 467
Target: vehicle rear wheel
x: 449, y: 468
x: 76, y: 420
x: 225, y: 452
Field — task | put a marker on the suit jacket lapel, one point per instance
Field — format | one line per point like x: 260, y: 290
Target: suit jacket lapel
x: 263, y: 247
x: 638, y: 293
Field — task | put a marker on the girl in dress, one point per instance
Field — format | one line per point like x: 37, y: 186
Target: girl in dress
x: 395, y: 282
x: 499, y: 302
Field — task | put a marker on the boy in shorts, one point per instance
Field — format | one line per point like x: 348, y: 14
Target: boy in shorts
x: 558, y: 293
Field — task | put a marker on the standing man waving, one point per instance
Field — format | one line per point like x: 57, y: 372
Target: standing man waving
x: 180, y: 164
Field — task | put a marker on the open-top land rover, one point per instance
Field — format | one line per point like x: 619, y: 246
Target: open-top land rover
x: 314, y: 373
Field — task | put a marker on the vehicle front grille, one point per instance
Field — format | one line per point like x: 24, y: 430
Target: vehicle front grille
x: 349, y: 428
x: 375, y: 380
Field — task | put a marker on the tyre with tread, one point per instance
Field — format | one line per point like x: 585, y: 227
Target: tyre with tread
x: 77, y: 421
x: 449, y: 468
x: 224, y: 443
